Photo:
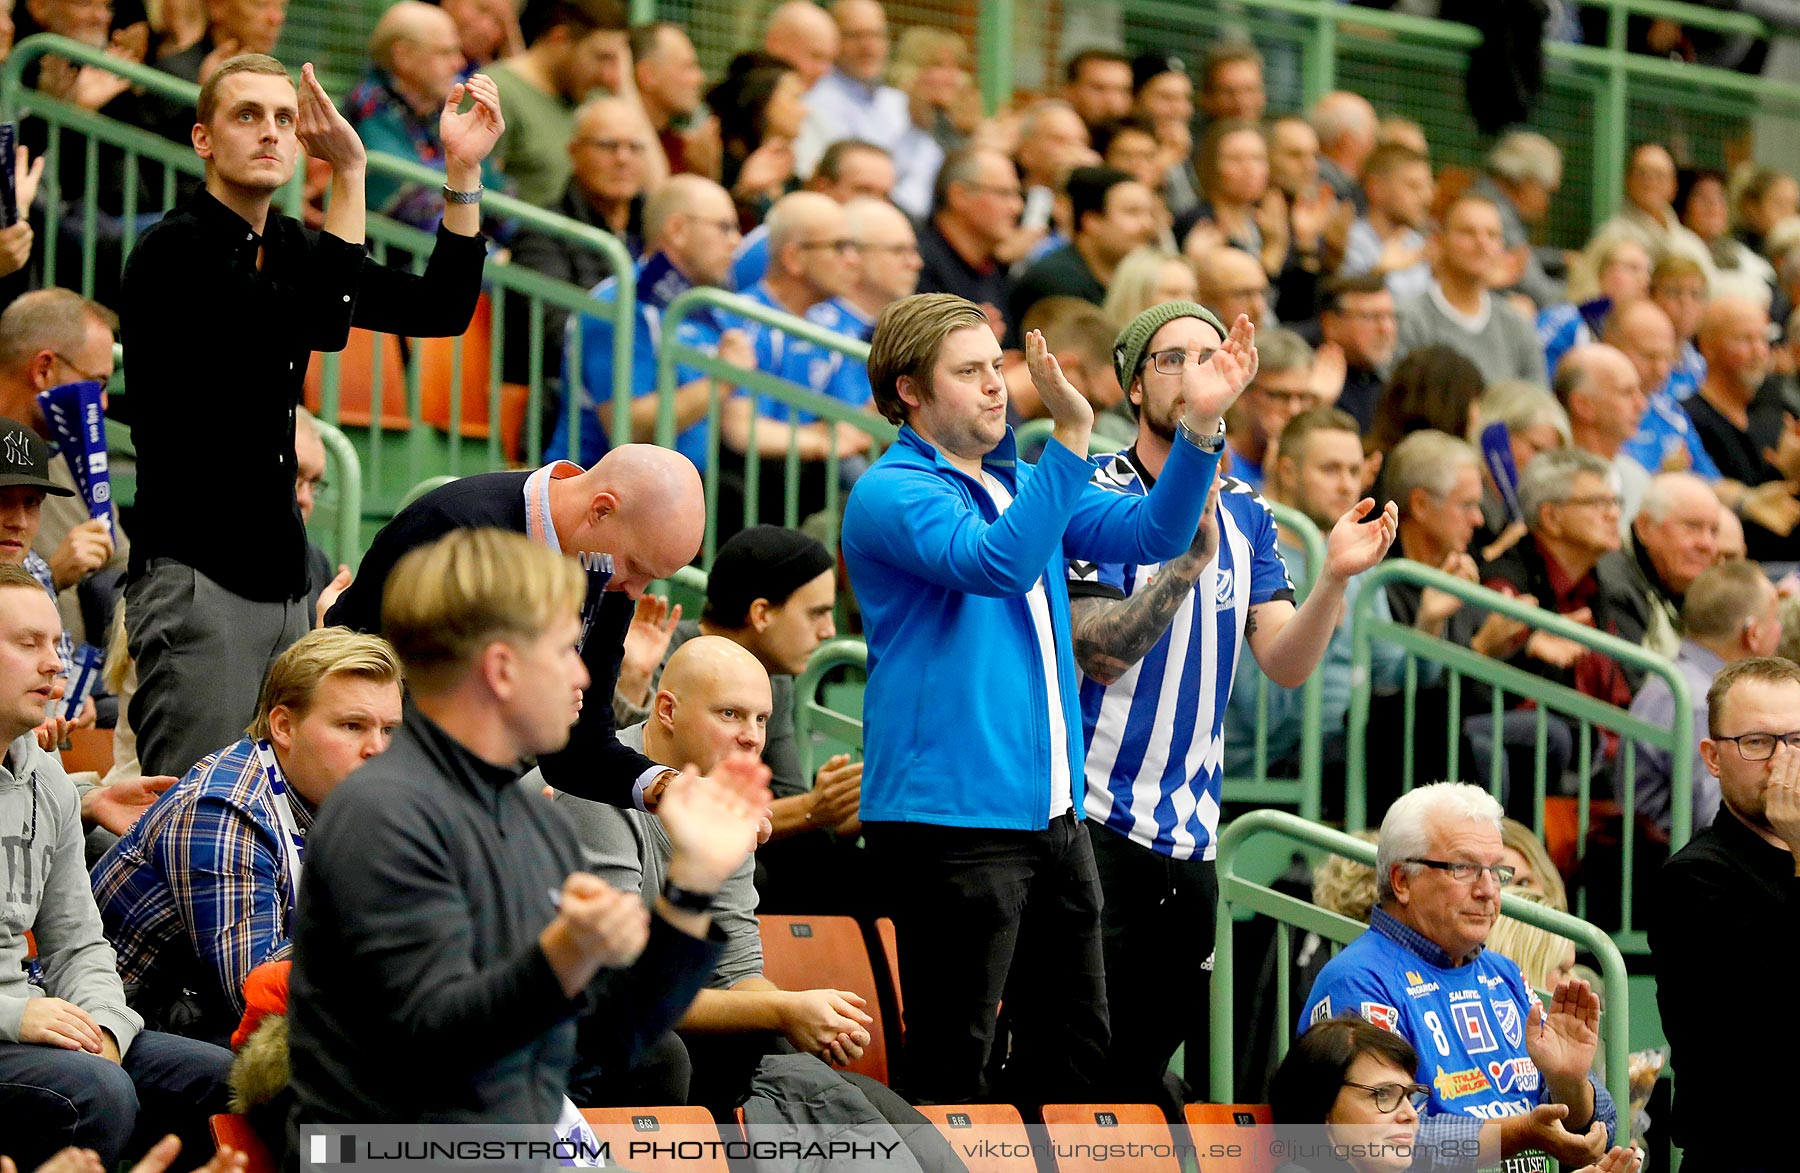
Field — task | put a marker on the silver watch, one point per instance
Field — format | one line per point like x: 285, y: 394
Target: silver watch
x: 463, y: 197
x: 1213, y: 444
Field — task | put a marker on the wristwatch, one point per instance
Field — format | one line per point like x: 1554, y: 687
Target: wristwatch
x: 1213, y: 444
x: 686, y: 899
x: 464, y: 197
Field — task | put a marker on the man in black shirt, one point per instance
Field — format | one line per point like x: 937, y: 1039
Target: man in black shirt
x: 975, y: 208
x: 217, y: 583
x: 1738, y: 412
x: 1113, y: 214
x: 451, y: 957
x: 636, y: 516
x: 1729, y: 903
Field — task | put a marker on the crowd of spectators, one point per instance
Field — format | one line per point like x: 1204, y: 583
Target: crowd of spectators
x: 1267, y: 322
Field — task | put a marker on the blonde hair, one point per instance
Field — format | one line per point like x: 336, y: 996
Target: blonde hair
x: 1524, y: 840
x: 296, y: 675
x: 908, y: 336
x: 1343, y: 886
x: 921, y: 47
x: 1537, y: 952
x: 1133, y: 286
x: 446, y: 601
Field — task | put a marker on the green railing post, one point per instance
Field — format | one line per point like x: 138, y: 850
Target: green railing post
x: 1320, y: 75
x: 1609, y: 125
x: 810, y: 716
x: 994, y: 37
x: 345, y: 474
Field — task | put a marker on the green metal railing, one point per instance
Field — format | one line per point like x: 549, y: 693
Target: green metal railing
x: 434, y: 444
x: 339, y: 501
x: 1584, y: 714
x: 811, y: 715
x: 1302, y: 790
x: 1238, y: 894
x: 673, y: 352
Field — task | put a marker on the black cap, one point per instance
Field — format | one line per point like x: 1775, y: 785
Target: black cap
x: 25, y: 459
x: 1147, y: 66
x: 762, y: 562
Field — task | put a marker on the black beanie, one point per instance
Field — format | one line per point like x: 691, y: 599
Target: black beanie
x: 762, y: 562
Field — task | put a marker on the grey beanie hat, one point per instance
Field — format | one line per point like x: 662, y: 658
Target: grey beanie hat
x: 1128, y: 351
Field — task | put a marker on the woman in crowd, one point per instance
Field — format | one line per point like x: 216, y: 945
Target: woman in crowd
x: 1622, y: 274
x: 932, y: 68
x: 1433, y: 387
x: 760, y: 105
x: 1703, y: 205
x: 1148, y: 276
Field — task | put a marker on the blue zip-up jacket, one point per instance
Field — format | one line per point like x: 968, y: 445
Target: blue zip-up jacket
x: 958, y: 732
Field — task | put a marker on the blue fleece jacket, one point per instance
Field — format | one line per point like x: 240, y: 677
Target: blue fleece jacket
x: 957, y: 719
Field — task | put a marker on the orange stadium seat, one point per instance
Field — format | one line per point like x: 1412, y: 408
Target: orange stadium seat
x: 827, y: 952
x: 1211, y: 1124
x: 1087, y: 1138
x: 436, y: 367
x: 691, y: 1128
x: 986, y: 1138
x: 89, y: 749
x: 356, y: 382
x: 236, y: 1132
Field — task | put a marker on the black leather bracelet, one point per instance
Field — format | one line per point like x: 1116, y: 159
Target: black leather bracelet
x: 686, y: 899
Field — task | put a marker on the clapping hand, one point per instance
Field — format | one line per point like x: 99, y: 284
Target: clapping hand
x: 1354, y: 547
x: 470, y: 137
x: 1068, y: 408
x: 1210, y: 388
x: 1562, y: 1039
x: 323, y: 132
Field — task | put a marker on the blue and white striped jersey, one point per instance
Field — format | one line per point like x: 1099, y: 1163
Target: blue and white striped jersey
x: 1155, y: 747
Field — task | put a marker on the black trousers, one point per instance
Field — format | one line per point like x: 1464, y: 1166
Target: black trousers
x: 985, y: 915
x: 1157, y: 932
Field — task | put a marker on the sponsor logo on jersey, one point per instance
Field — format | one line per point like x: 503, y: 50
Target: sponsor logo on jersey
x: 1472, y: 1027
x: 1320, y: 1012
x: 1417, y: 987
x: 1453, y: 1085
x: 1506, y: 1013
x: 1223, y: 585
x: 1383, y: 1016
x: 1513, y: 1075
x: 1491, y: 980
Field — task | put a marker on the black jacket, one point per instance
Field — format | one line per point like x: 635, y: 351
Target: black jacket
x: 419, y: 992
x: 593, y: 765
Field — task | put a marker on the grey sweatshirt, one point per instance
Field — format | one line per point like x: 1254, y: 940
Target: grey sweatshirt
x: 630, y: 850
x: 44, y: 888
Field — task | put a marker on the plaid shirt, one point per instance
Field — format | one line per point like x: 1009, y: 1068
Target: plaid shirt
x: 201, y: 883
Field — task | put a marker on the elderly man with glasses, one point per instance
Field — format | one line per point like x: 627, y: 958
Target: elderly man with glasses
x: 1509, y: 1076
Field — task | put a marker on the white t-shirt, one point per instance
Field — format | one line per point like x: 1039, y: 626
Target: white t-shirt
x: 1038, y: 600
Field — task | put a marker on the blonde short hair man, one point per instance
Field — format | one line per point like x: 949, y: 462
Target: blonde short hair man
x: 201, y: 890
x: 449, y: 941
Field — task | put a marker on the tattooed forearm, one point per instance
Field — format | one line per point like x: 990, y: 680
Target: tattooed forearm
x: 1110, y: 635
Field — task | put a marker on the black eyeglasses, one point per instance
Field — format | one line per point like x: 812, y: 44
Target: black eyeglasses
x: 1760, y: 747
x: 1387, y: 1096
x: 625, y: 146
x: 91, y: 377
x: 1467, y: 873
x: 1170, y: 362
x: 842, y: 246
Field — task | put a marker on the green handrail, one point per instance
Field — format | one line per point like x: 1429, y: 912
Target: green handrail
x: 1301, y: 791
x: 811, y: 716
x: 346, y: 484
x: 673, y: 352
x: 1550, y: 697
x: 1237, y: 892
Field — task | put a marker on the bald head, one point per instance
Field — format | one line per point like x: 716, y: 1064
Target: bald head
x: 419, y: 45
x: 1346, y: 125
x: 641, y: 504
x: 1734, y: 340
x: 1604, y: 396
x: 803, y: 35
x: 692, y: 220
x: 1677, y: 527
x: 805, y: 262
x: 1646, y: 336
x: 1233, y: 282
x: 712, y: 703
